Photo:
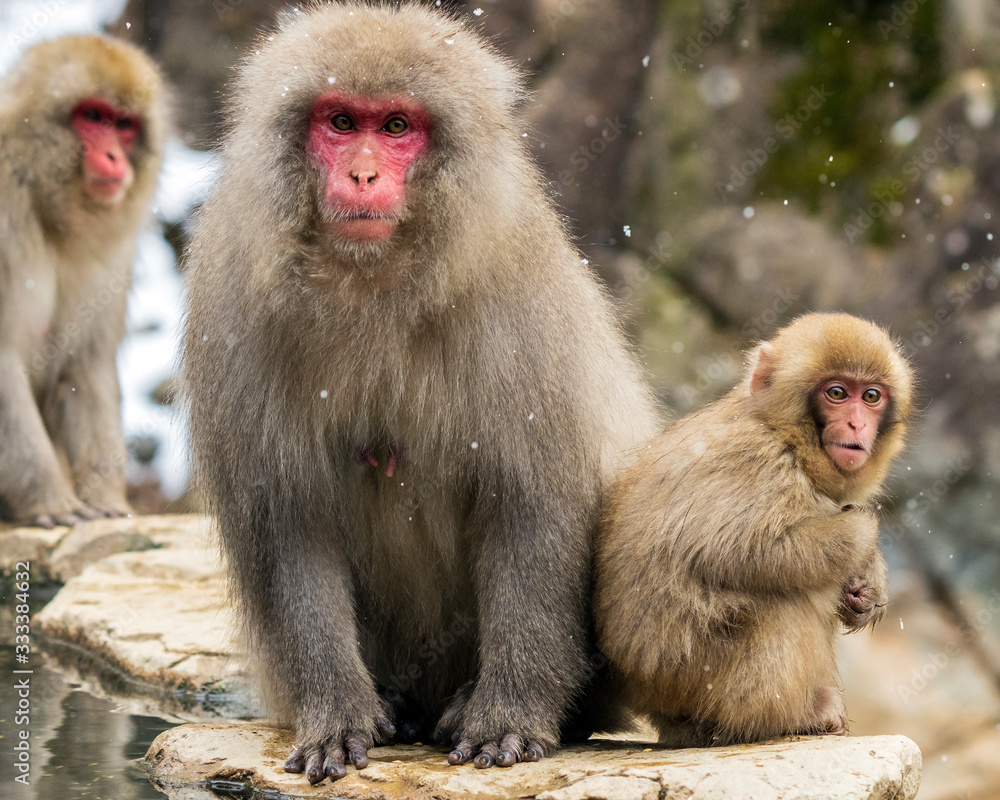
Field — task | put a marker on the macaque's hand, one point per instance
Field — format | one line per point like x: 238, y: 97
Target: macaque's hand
x: 865, y: 596
x: 326, y: 757
x: 504, y: 751
x: 471, y: 739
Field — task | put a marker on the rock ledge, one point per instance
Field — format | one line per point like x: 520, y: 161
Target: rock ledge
x: 143, y: 596
x: 190, y: 759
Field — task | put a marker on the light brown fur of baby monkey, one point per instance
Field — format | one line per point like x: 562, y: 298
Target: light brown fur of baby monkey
x: 745, y: 534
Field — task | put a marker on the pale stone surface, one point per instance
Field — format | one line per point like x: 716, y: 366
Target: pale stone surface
x: 160, y: 615
x: 94, y: 542
x: 832, y: 768
x: 61, y: 553
x: 607, y: 787
x: 31, y: 545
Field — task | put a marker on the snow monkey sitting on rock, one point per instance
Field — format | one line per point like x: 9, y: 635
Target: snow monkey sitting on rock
x: 82, y: 126
x: 745, y: 534
x: 407, y: 395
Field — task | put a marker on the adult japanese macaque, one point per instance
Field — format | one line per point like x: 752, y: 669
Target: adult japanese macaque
x: 746, y: 530
x: 407, y: 392
x: 81, y: 132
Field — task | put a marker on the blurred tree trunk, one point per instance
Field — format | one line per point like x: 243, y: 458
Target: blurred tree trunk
x: 197, y: 43
x: 585, y: 61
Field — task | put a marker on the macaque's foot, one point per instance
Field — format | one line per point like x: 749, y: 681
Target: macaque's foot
x: 831, y: 712
x: 678, y: 732
x: 478, y: 731
x: 412, y: 724
x: 413, y: 730
x: 112, y: 513
x: 105, y: 505
x: 50, y: 521
x: 328, y: 758
x: 861, y: 605
x: 78, y: 512
x: 503, y: 753
x: 449, y: 727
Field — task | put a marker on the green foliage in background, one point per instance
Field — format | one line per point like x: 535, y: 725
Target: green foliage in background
x: 878, y: 61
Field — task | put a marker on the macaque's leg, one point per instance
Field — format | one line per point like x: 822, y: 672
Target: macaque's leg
x: 779, y: 678
x: 532, y: 632
x: 298, y: 609
x: 33, y: 487
x: 84, y: 414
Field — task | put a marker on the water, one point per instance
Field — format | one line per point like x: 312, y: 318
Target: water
x: 80, y: 745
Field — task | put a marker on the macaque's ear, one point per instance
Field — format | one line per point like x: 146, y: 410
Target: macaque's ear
x: 763, y: 368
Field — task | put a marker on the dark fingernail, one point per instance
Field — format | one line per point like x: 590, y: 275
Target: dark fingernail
x: 314, y: 775
x: 484, y: 761
x: 505, y: 759
x: 531, y: 754
x: 455, y: 757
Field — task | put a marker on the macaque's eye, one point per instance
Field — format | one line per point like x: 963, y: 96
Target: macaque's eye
x: 871, y: 396
x: 342, y: 122
x: 395, y: 126
x: 124, y: 124
x: 91, y: 114
x: 837, y: 393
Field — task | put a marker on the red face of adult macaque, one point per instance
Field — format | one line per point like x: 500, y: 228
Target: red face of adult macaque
x: 851, y: 411
x: 365, y: 147
x: 108, y: 135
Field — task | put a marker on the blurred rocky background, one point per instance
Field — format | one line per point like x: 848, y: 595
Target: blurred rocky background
x: 725, y: 166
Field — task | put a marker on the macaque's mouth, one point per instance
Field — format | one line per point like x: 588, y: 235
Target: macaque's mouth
x: 105, y: 189
x: 111, y: 182
x: 848, y: 456
x: 363, y: 215
x: 359, y: 214
x: 364, y: 226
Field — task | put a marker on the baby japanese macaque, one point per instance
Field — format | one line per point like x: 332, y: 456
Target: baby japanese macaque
x: 745, y: 535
